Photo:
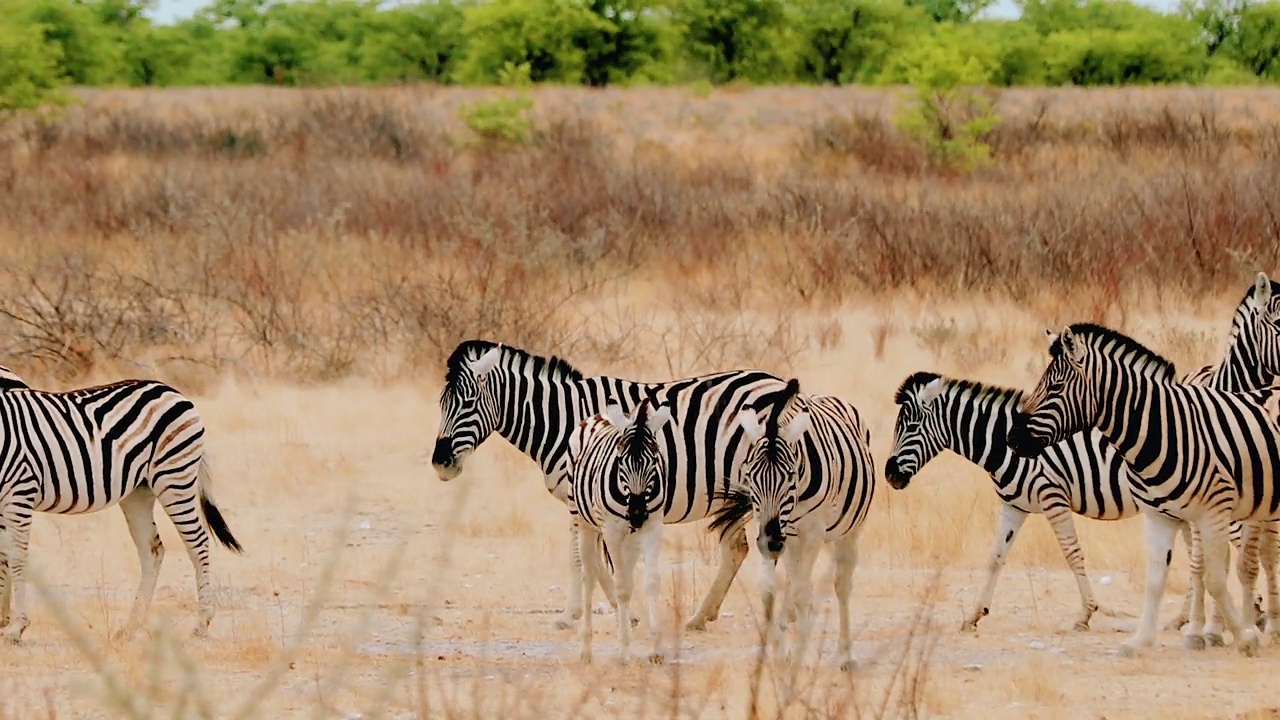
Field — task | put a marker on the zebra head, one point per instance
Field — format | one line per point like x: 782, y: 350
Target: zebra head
x: 1266, y: 305
x: 641, y: 473
x: 1063, y: 402
x: 920, y: 432
x: 770, y: 470
x: 468, y: 410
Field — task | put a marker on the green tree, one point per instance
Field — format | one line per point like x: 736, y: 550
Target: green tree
x: 541, y: 33
x: 29, y: 68
x: 420, y: 42
x: 625, y: 41
x: 87, y: 51
x: 1256, y: 43
x: 733, y: 39
x: 845, y: 41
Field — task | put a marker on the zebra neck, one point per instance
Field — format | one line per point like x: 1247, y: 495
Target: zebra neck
x: 979, y: 427
x: 1240, y: 370
x: 1125, y: 414
x: 537, y: 415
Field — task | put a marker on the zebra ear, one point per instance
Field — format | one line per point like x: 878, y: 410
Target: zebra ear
x: 613, y: 413
x: 486, y: 362
x: 796, y: 429
x: 1074, y: 350
x: 1261, y: 291
x: 930, y: 392
x: 749, y: 421
x: 658, y: 418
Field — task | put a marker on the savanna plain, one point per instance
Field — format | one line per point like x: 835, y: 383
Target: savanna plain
x: 302, y: 262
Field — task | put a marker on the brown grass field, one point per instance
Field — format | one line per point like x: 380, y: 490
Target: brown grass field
x: 301, y: 263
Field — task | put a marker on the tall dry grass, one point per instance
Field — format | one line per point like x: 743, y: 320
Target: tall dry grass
x: 313, y: 234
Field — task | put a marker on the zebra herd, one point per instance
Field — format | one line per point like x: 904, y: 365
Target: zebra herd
x: 1110, y: 431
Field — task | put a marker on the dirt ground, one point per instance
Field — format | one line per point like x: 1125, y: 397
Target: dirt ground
x: 441, y: 597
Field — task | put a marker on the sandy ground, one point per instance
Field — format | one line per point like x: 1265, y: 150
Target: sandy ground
x: 443, y: 595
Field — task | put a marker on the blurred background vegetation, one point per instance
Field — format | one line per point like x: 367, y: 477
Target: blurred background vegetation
x: 45, y: 44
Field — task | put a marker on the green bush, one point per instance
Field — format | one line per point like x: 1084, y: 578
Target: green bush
x: 949, y: 114
x: 504, y: 120
x: 28, y: 68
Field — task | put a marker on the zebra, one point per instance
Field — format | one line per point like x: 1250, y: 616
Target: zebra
x: 1246, y: 366
x: 128, y: 443
x: 808, y: 478
x: 1200, y: 454
x: 1081, y: 475
x: 535, y: 403
x: 617, y: 488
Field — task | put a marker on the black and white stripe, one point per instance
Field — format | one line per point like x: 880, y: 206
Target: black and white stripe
x: 617, y: 490
x: 808, y: 479
x: 536, y: 403
x: 1082, y: 475
x: 1248, y: 364
x: 128, y: 443
x: 1199, y: 454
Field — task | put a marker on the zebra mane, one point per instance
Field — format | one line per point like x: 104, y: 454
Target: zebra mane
x: 1240, y: 326
x: 1162, y: 369
x: 9, y: 380
x: 976, y: 390
x: 773, y: 443
x: 912, y: 385
x: 552, y: 367
x: 638, y: 438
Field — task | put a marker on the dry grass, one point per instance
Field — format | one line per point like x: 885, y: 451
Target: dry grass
x: 302, y: 262
x: 304, y: 472
x: 321, y: 234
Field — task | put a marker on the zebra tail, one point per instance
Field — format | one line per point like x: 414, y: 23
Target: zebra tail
x: 735, y: 508
x: 213, y: 516
x: 604, y: 548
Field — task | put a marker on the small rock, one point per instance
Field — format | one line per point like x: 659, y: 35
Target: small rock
x: 365, y: 524
x: 973, y: 666
x: 1036, y: 645
x: 1105, y: 580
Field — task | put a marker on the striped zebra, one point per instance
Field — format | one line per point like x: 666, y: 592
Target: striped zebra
x: 808, y: 479
x: 535, y: 403
x: 1246, y: 366
x: 1082, y: 475
x: 1199, y: 454
x: 617, y: 488
x: 128, y: 443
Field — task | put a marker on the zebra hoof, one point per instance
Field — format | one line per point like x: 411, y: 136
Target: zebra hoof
x: 657, y: 658
x: 585, y: 657
x: 1250, y: 643
x: 969, y: 626
x: 1127, y: 650
x: 848, y: 666
x: 1214, y: 639
x: 1193, y: 642
x: 698, y: 624
x: 1081, y: 626
x: 563, y: 624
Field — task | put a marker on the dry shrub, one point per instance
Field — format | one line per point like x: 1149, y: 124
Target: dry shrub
x: 310, y: 233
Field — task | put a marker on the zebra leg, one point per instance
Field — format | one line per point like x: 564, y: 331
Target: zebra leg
x: 1213, y: 629
x: 651, y: 546
x: 18, y: 520
x: 1064, y: 527
x: 587, y: 570
x: 1160, y: 532
x: 1247, y: 571
x: 1214, y: 536
x: 801, y: 557
x: 177, y: 496
x: 1269, y: 552
x: 1011, y: 520
x: 1194, y: 631
x: 1184, y: 615
x: 733, y: 550
x: 768, y: 597
x: 574, y: 609
x: 846, y: 559
x: 626, y: 553
x: 138, y: 508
